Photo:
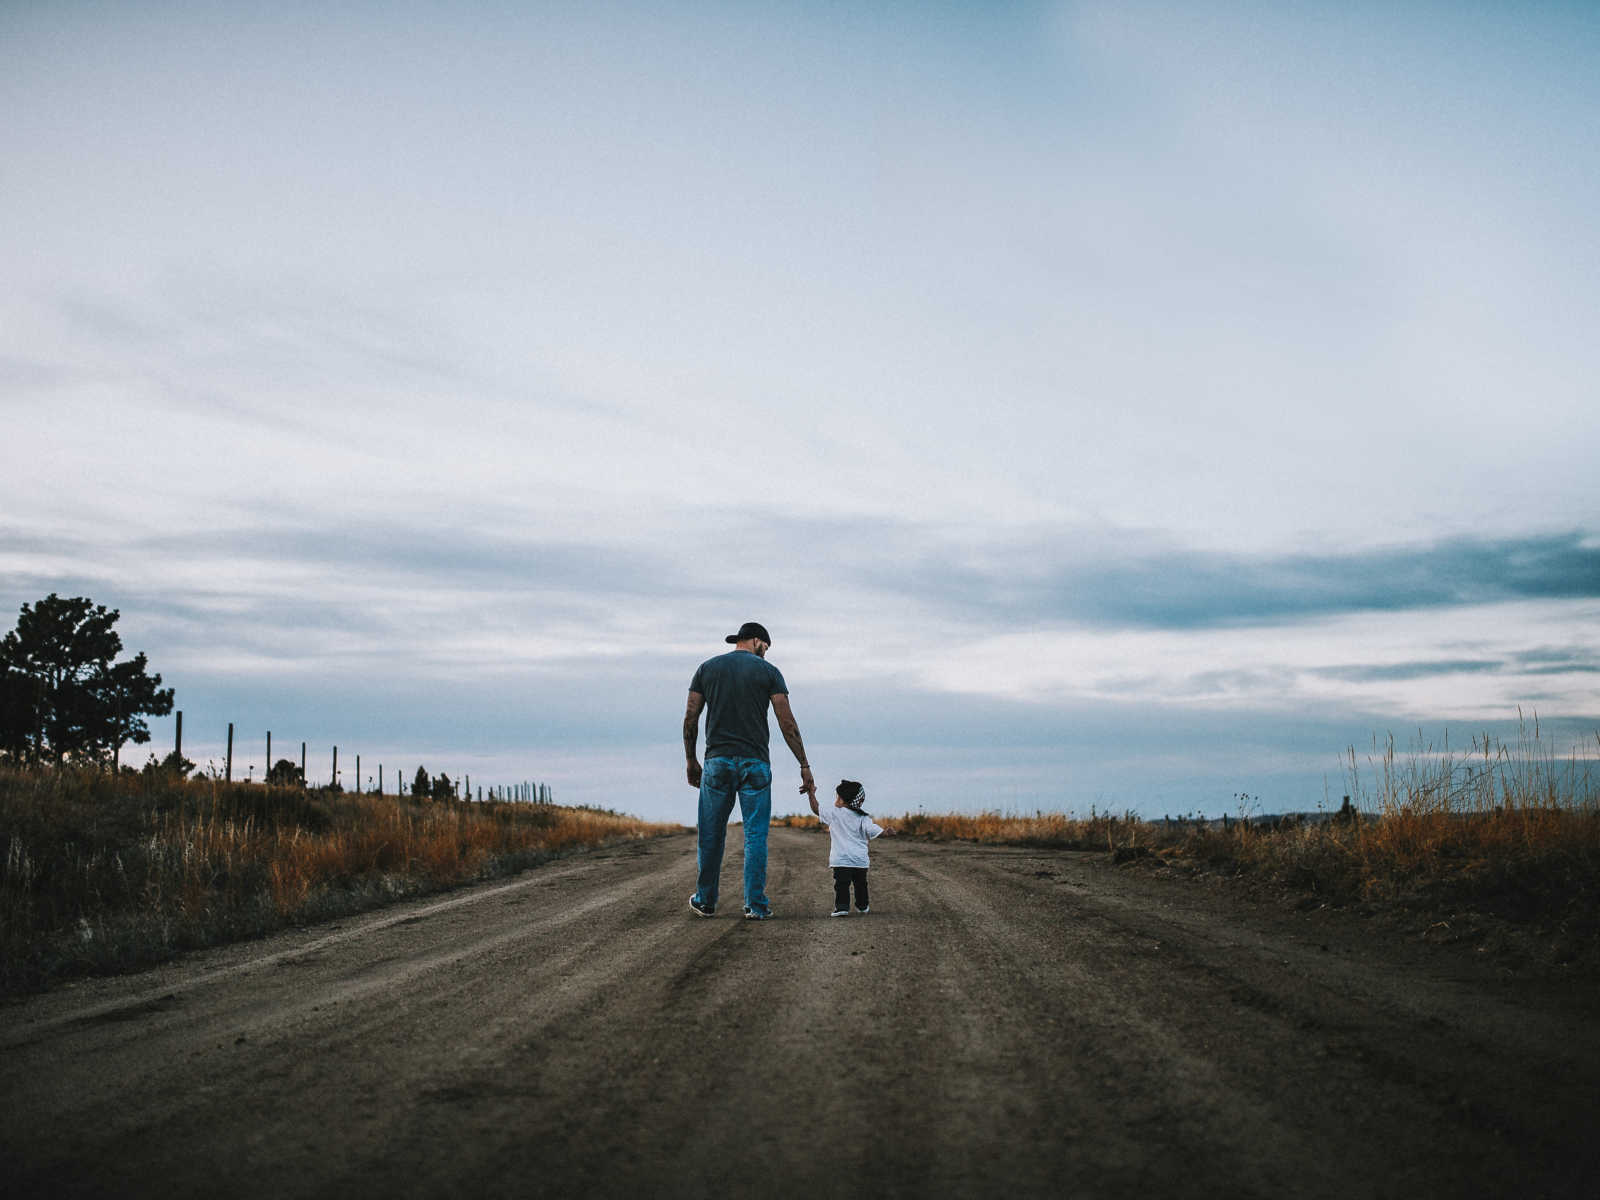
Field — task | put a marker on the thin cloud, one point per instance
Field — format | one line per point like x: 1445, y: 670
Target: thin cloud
x: 1383, y: 672
x: 1545, y: 659
x: 1189, y: 590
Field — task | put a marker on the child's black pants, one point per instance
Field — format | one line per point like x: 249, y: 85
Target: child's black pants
x: 843, y: 877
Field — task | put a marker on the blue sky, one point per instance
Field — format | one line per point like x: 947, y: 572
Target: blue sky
x: 1116, y: 404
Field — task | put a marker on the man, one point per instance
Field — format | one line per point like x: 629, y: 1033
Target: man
x: 734, y: 690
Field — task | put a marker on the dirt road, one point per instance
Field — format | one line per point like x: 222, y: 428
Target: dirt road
x: 1005, y: 1022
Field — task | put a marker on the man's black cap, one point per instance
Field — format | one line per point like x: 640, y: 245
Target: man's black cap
x: 750, y: 630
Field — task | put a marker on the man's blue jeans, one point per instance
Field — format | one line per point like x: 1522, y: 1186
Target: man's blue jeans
x: 720, y: 779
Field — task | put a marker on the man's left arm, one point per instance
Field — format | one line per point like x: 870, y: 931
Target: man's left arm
x: 791, y: 734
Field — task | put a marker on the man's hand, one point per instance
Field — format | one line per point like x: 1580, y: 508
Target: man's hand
x: 694, y: 773
x: 808, y: 786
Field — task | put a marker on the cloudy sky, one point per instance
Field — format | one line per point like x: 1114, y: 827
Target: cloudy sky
x: 1121, y: 404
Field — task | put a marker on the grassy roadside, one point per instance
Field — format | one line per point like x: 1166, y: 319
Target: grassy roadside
x: 1539, y: 864
x: 104, y: 873
x: 1495, y: 846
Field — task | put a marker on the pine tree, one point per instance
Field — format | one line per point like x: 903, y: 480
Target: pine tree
x: 62, y: 692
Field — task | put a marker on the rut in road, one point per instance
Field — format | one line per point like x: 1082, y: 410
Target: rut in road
x: 1005, y: 1022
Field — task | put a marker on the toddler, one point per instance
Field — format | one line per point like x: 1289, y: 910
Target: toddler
x: 849, y: 830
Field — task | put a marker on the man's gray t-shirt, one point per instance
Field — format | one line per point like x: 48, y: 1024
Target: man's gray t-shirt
x: 737, y: 686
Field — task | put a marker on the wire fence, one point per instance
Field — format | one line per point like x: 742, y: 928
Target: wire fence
x: 285, y: 772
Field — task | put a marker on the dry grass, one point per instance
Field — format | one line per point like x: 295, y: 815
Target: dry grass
x: 1507, y: 833
x: 101, y: 872
x: 1057, y: 830
x: 1516, y: 826
x: 1042, y: 829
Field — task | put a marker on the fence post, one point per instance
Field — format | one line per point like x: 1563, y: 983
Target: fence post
x: 229, y: 776
x: 302, y: 765
x: 358, y: 774
x: 334, y: 782
x: 178, y: 747
x: 380, y: 779
x: 268, y: 778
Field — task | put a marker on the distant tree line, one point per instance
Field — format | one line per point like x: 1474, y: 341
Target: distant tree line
x: 63, y: 694
x: 286, y: 773
x: 437, y: 788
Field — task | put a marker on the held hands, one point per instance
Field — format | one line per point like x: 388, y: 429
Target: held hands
x: 808, y: 787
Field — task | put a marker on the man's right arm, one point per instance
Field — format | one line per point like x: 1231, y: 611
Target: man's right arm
x: 691, y: 736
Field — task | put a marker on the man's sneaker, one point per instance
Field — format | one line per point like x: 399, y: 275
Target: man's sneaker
x: 702, y: 910
x: 865, y: 910
x: 754, y: 914
x: 840, y: 912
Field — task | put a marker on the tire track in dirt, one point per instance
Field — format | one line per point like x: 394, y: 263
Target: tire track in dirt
x: 1375, y: 1044
x: 1096, y: 1069
x: 1315, y: 1052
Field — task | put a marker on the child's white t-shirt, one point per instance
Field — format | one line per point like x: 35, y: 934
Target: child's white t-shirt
x: 849, y: 832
